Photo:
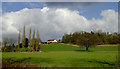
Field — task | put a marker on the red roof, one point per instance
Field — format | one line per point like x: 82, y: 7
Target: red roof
x: 51, y: 40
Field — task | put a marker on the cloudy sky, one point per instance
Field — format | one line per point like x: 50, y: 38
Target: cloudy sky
x: 54, y: 19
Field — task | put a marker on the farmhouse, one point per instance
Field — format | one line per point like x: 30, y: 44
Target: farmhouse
x: 52, y: 41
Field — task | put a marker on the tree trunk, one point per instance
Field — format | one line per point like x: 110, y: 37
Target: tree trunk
x: 87, y: 49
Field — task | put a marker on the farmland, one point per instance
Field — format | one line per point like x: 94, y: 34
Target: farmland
x: 62, y: 55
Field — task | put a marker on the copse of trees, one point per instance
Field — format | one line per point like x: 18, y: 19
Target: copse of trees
x: 33, y: 43
x: 89, y: 39
x: 29, y: 43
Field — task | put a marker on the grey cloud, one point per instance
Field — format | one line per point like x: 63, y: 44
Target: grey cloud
x: 70, y: 5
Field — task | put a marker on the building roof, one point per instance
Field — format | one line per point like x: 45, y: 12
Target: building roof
x: 51, y: 39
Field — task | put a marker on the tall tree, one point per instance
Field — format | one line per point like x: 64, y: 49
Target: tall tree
x: 87, y: 40
x: 29, y: 42
x: 23, y: 39
x: 19, y: 40
x: 33, y: 41
x: 38, y: 41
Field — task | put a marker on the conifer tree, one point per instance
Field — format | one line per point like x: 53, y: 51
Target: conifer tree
x: 29, y: 42
x: 33, y: 41
x: 23, y: 39
x: 38, y: 41
x: 19, y: 41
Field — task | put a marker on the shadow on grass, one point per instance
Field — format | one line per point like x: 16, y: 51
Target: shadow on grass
x: 102, y: 62
x: 83, y: 51
x: 9, y: 62
x: 13, y: 62
x: 16, y: 61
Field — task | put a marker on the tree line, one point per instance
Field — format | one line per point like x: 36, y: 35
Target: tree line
x: 33, y: 44
x: 89, y: 39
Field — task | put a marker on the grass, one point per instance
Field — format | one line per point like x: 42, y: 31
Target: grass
x: 65, y: 47
x: 61, y: 55
x: 58, y: 47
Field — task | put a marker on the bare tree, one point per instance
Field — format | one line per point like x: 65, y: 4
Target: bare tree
x: 8, y: 42
x: 11, y: 41
x: 5, y: 41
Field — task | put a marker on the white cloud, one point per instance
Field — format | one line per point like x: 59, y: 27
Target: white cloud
x: 53, y: 23
x: 108, y: 22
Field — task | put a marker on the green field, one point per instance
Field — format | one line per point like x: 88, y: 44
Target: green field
x: 61, y: 55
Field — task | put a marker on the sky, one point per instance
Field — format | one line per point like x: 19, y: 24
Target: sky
x: 54, y: 19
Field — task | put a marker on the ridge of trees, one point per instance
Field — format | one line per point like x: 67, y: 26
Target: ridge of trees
x: 89, y: 39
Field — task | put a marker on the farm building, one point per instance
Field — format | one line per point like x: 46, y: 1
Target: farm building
x: 52, y: 41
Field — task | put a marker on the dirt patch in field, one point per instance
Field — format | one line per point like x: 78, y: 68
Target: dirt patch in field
x: 97, y: 45
x: 108, y: 45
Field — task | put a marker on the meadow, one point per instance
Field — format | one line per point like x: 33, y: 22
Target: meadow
x: 62, y: 55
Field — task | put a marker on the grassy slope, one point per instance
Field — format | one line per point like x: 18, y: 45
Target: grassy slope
x: 99, y: 56
x: 58, y: 47
x: 64, y: 47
